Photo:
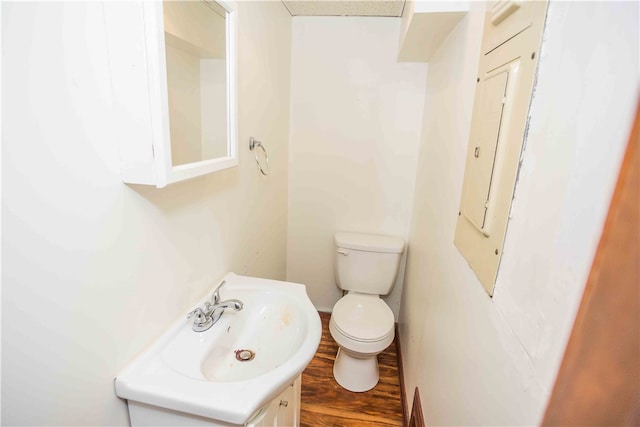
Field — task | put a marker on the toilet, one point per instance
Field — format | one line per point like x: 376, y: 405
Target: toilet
x: 362, y: 324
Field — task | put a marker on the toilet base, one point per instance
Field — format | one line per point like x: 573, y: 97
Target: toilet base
x: 356, y: 373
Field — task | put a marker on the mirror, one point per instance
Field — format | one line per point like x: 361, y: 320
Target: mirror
x: 195, y: 52
x: 191, y: 56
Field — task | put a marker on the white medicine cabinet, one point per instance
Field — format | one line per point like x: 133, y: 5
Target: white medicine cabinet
x: 174, y: 69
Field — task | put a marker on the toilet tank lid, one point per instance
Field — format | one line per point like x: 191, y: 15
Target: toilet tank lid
x: 369, y: 242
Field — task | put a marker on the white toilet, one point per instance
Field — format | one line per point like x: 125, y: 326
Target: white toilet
x: 366, y: 266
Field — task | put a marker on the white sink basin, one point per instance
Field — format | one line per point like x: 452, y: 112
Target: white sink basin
x: 198, y: 372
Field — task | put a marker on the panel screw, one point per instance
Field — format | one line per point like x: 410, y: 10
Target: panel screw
x: 496, y: 252
x: 533, y: 55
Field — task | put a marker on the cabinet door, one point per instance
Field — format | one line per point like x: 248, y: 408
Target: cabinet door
x: 175, y: 70
x: 283, y: 411
x: 289, y: 406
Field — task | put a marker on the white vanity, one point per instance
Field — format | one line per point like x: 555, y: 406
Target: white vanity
x: 243, y: 370
x: 283, y: 411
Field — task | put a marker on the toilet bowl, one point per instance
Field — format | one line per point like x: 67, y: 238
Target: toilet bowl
x: 362, y: 324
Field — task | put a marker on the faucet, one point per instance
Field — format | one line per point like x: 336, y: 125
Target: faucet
x: 215, y: 298
x: 204, y: 319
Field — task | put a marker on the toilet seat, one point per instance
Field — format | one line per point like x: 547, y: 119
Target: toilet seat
x: 363, y: 318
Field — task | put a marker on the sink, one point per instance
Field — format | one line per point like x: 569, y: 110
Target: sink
x: 240, y: 364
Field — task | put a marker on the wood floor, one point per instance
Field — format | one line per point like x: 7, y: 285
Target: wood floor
x: 325, y: 403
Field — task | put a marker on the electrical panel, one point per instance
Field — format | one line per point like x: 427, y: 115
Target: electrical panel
x: 506, y: 74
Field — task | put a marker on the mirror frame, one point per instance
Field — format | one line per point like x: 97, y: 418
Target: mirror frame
x: 165, y: 171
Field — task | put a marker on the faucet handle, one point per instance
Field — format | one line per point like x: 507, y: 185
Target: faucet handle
x: 215, y: 298
x: 200, y: 316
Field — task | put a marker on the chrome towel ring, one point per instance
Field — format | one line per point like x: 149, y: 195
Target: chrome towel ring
x: 253, y: 144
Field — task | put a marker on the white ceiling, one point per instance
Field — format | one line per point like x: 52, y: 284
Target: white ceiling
x: 345, y: 7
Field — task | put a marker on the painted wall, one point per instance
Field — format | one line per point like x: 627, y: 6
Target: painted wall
x: 93, y: 269
x: 355, y: 129
x: 482, y: 361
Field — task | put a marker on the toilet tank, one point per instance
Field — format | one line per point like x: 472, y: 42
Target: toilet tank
x: 366, y: 263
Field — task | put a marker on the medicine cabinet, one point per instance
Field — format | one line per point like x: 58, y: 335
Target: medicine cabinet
x: 174, y: 71
x: 510, y: 52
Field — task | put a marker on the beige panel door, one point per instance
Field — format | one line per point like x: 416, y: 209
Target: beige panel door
x: 475, y: 200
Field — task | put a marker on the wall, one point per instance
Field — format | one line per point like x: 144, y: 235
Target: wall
x: 93, y: 269
x: 355, y: 127
x: 482, y: 361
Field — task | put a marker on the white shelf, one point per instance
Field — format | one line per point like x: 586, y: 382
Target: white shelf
x: 425, y: 25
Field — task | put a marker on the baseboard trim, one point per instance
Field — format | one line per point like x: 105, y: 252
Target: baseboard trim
x: 417, y: 418
x: 403, y: 394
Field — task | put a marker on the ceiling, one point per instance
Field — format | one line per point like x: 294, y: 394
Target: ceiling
x: 392, y: 8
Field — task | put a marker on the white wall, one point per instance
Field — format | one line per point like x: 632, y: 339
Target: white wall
x: 482, y: 361
x: 355, y: 128
x: 93, y: 269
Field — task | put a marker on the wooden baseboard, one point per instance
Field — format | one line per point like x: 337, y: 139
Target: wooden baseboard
x: 417, y: 418
x: 403, y: 394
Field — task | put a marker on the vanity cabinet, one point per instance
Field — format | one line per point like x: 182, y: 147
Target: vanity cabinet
x: 283, y: 411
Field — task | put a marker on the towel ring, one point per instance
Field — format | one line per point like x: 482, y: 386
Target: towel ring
x: 253, y: 144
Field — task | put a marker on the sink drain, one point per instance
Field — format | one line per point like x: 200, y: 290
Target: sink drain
x: 245, y: 355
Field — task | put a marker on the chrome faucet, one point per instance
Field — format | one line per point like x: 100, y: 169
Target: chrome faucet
x: 204, y: 319
x: 215, y: 298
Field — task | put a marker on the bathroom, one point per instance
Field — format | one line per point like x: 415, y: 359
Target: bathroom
x: 94, y: 269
